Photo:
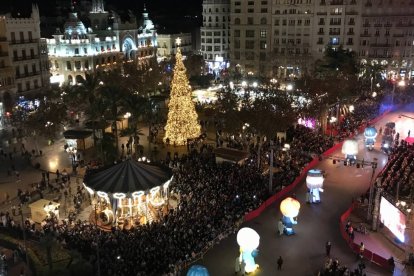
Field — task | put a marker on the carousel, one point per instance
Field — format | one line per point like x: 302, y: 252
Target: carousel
x: 128, y: 194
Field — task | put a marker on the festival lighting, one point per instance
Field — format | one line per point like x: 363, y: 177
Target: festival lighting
x: 290, y: 207
x: 350, y: 147
x: 182, y: 123
x: 248, y: 240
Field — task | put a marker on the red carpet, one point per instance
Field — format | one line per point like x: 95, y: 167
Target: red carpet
x: 410, y: 140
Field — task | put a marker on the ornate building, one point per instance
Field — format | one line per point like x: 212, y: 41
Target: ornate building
x: 80, y: 50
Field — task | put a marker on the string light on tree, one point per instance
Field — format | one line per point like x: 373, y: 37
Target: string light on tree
x: 182, y: 122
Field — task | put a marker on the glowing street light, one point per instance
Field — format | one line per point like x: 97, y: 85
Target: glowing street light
x: 289, y: 87
x: 244, y: 83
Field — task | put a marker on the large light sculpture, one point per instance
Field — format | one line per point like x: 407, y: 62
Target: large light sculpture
x: 198, y: 270
x: 248, y: 240
x: 314, y: 182
x: 290, y: 210
x: 370, y: 134
x: 350, y: 149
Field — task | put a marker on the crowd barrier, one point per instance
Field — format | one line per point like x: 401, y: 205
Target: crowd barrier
x: 368, y: 255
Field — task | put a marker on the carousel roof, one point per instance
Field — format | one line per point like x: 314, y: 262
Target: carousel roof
x: 127, y: 177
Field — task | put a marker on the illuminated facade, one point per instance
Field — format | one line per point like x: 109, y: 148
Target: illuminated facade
x: 283, y: 38
x: 80, y: 50
x: 23, y: 55
x: 215, y: 34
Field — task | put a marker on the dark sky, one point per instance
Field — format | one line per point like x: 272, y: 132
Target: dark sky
x: 171, y: 8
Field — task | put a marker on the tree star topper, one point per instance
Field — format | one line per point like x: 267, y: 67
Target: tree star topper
x: 178, y: 41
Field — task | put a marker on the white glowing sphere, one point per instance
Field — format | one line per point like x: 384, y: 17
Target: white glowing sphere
x: 290, y: 207
x: 314, y: 180
x: 350, y: 147
x: 248, y: 239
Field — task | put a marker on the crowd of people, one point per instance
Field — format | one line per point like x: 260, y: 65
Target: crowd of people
x: 213, y: 199
x: 398, y: 172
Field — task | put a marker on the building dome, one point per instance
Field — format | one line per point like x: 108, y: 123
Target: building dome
x: 146, y: 24
x: 74, y: 28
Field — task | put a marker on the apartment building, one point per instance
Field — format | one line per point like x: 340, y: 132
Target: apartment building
x: 167, y: 46
x: 283, y: 38
x: 23, y: 58
x: 215, y: 34
x: 387, y: 36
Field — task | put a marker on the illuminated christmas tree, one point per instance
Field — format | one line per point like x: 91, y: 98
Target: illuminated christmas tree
x: 182, y: 122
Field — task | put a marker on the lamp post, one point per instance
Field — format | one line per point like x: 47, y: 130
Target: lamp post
x: 374, y: 166
x: 20, y: 213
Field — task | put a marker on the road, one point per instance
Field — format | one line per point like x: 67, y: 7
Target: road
x: 304, y: 253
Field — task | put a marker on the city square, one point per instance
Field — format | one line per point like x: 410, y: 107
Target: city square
x: 199, y: 138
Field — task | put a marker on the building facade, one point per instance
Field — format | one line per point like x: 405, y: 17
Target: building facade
x: 80, y: 50
x: 283, y: 38
x: 23, y: 55
x: 167, y: 45
x: 215, y: 34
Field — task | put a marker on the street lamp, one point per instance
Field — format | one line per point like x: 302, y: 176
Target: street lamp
x: 289, y: 87
x: 401, y: 83
x: 20, y: 213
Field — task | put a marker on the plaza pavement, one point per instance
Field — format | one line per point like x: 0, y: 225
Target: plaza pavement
x: 304, y: 253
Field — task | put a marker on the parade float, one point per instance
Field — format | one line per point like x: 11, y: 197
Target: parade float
x: 350, y: 150
x: 128, y: 193
x: 314, y: 182
x: 370, y: 134
x: 248, y: 240
x: 290, y: 210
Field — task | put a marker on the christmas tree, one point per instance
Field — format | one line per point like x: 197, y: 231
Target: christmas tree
x: 182, y: 122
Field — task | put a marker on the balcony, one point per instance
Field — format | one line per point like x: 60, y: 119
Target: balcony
x: 351, y: 23
x: 334, y: 23
x: 321, y: 23
x: 26, y: 75
x: 380, y: 45
x: 321, y: 33
x: 321, y: 13
x: 366, y: 25
x: 2, y: 38
x: 351, y: 13
x: 336, y: 2
x: 23, y: 41
x: 25, y: 58
x: 365, y: 35
x: 398, y: 35
x: 334, y: 33
x: 350, y: 33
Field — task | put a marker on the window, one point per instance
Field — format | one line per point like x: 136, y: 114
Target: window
x: 249, y: 55
x: 34, y: 68
x: 249, y: 33
x: 32, y: 53
x: 217, y: 40
x: 78, y: 64
x: 237, y: 3
x: 263, y: 10
x: 21, y: 36
x: 36, y: 84
x: 237, y: 21
x: 30, y: 36
x: 28, y: 85
x: 250, y: 20
x: 56, y: 64
x: 13, y: 37
x: 263, y: 33
x: 277, y: 22
x: 17, y: 69
x: 250, y: 10
x: 236, y: 33
x: 24, y: 54
x: 68, y: 65
x: 85, y: 51
x: 19, y: 87
x: 26, y: 69
x: 250, y: 3
x: 237, y: 44
x: 307, y: 22
x: 15, y: 55
x: 262, y: 56
x: 249, y: 44
x: 76, y: 51
x: 263, y: 45
x: 263, y: 21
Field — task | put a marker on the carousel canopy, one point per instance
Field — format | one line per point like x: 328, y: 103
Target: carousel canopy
x: 127, y: 177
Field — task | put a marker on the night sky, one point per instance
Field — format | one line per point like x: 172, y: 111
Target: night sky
x: 171, y: 8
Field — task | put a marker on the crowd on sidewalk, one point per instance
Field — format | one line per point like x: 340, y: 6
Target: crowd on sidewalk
x: 213, y: 199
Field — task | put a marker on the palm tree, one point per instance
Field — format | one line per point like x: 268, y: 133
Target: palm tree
x: 371, y: 73
x: 137, y: 106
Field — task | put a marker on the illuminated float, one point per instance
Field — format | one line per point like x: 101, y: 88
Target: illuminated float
x: 350, y: 150
x: 290, y: 210
x: 248, y: 240
x: 198, y: 270
x: 314, y: 182
x: 370, y: 134
x: 128, y: 193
